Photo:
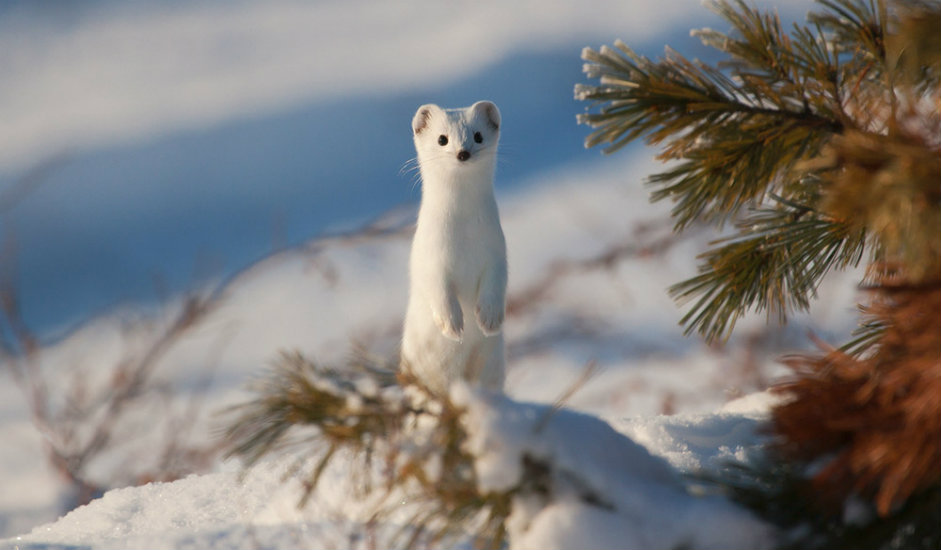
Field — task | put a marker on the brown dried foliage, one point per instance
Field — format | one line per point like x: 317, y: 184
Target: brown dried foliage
x: 874, y: 418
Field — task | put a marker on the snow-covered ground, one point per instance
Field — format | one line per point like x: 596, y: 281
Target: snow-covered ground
x: 590, y: 260
x: 259, y: 510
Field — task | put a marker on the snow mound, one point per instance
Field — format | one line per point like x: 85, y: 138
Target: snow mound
x: 604, y: 490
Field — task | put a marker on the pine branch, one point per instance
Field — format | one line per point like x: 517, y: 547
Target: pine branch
x: 736, y: 166
x: 858, y: 27
x: 775, y: 264
x: 833, y: 116
x: 874, y: 417
x: 676, y: 95
x: 344, y: 406
x: 736, y: 132
x: 362, y: 411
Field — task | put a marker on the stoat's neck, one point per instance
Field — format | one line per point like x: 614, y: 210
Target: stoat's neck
x: 457, y: 187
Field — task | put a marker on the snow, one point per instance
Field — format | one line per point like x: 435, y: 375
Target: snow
x: 650, y: 506
x: 705, y: 441
x: 591, y: 462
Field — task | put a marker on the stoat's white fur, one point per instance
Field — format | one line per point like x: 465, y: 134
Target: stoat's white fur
x: 458, y: 272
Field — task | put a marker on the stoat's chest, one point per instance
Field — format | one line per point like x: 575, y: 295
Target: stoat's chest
x: 459, y: 232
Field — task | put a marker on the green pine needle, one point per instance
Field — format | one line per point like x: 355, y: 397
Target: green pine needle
x: 774, y: 264
x: 749, y: 132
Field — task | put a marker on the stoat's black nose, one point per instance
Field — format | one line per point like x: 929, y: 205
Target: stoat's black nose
x: 463, y: 155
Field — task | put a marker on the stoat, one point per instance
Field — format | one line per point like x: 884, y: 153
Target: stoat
x: 457, y: 268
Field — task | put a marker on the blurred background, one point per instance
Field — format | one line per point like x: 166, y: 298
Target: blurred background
x: 151, y: 150
x: 148, y: 146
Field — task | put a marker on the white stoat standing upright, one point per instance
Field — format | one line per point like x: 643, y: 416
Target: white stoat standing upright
x: 458, y: 273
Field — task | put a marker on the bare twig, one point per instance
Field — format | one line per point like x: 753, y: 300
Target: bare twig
x: 632, y: 247
x: 590, y: 370
x: 29, y: 182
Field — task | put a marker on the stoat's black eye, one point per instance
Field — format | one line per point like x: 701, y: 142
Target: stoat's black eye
x: 442, y: 140
x: 478, y: 138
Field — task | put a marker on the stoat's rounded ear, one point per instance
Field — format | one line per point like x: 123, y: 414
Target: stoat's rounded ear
x: 422, y: 116
x: 488, y: 110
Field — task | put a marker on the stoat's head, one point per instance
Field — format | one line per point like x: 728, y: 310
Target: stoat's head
x: 458, y: 138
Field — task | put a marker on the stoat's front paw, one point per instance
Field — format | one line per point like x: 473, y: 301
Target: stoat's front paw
x: 451, y: 327
x: 490, y: 315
